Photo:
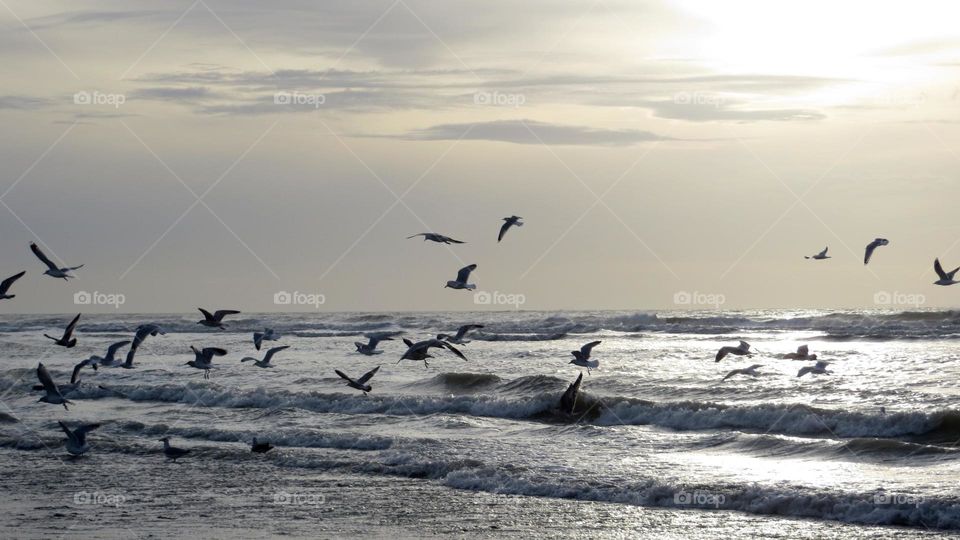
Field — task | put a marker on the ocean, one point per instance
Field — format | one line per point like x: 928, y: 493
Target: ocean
x: 657, y: 446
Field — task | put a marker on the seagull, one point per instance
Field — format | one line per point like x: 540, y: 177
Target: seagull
x: 76, y: 442
x: 507, y: 223
x: 260, y: 447
x: 5, y: 285
x: 582, y: 357
x: 361, y: 383
x: 461, y: 333
x: 946, y: 278
x: 752, y: 371
x: 439, y: 238
x: 67, y: 389
x: 67, y: 340
x: 109, y: 359
x: 143, y: 331
x: 819, y: 368
x: 173, y: 452
x: 53, y: 395
x: 215, y: 320
x: 740, y: 350
x: 421, y: 350
x: 872, y: 246
x: 52, y: 269
x: 803, y: 353
x: 267, y: 335
x: 462, y: 276
x: 819, y: 256
x: 204, y: 358
x: 370, y: 348
x: 265, y: 363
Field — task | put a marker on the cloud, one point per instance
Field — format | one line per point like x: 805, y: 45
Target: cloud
x: 23, y: 103
x: 707, y: 108
x: 533, y: 132
x: 184, y: 94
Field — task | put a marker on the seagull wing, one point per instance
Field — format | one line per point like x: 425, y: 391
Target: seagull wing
x: 274, y: 351
x: 464, y: 274
x: 408, y: 343
x: 75, y: 376
x: 722, y: 353
x: 70, y: 435
x: 5, y: 285
x: 452, y: 241
x: 368, y: 375
x: 81, y: 432
x: 585, y: 350
x: 453, y: 349
x: 221, y: 313
x: 343, y: 375
x: 209, y: 352
x: 46, y: 380
x: 744, y: 346
x: 732, y: 373
x: 42, y: 256
x: 824, y: 252
x: 206, y: 314
x: 804, y: 370
x: 939, y: 269
x: 257, y: 339
x: 872, y: 246
x: 462, y: 331
x: 503, y: 230
x: 416, y: 235
x: 69, y: 331
x: 112, y: 350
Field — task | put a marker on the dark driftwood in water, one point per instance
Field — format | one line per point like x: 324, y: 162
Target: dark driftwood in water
x: 569, y: 399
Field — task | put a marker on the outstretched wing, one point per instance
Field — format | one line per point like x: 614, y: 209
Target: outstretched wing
x: 939, y: 269
x: 824, y: 252
x: 731, y: 374
x: 46, y: 380
x: 453, y: 349
x: 452, y: 241
x: 464, y: 274
x: 414, y: 236
x: 5, y: 285
x: 722, y: 353
x: 368, y: 375
x: 70, y: 434
x: 503, y: 230
x: 206, y: 314
x: 744, y: 346
x: 257, y: 339
x: 221, y: 313
x: 42, y: 256
x: 585, y: 350
x: 209, y: 352
x: 69, y: 331
x: 273, y: 351
x: 112, y: 350
x: 342, y: 375
x: 462, y: 331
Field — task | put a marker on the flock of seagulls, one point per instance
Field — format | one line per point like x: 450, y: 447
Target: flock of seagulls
x: 743, y: 349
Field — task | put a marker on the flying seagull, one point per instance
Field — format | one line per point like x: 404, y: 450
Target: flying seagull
x: 803, y: 353
x: 143, y: 331
x: 946, y: 278
x: 361, y: 383
x: 421, y: 350
x: 462, y: 276
x: 52, y: 395
x: 173, y: 452
x: 439, y: 238
x: 507, y: 223
x: 216, y: 319
x: 109, y: 359
x: 203, y: 359
x: 461, y: 333
x: 76, y: 442
x: 52, y: 269
x: 370, y: 348
x: 820, y: 368
x: 819, y: 256
x: 752, y: 371
x: 67, y: 340
x: 258, y: 447
x: 265, y: 363
x: 582, y: 357
x: 740, y: 350
x: 872, y: 246
x: 267, y: 335
x: 5, y: 285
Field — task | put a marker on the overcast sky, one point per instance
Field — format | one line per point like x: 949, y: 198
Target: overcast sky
x: 214, y: 153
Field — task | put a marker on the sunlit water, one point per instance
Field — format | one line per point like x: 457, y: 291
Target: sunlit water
x: 658, y: 444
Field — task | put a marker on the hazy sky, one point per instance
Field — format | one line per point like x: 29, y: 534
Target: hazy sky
x: 653, y: 148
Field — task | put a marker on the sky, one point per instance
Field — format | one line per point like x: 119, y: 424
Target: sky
x: 664, y: 155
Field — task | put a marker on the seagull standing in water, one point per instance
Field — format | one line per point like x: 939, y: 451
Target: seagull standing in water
x: 52, y: 269
x: 462, y: 276
x: 52, y: 395
x: 421, y: 350
x: 872, y: 246
x: 819, y: 256
x: 173, y: 452
x: 803, y: 353
x: 258, y: 447
x: 820, y: 368
x: 215, y: 320
x: 109, y: 359
x: 204, y: 358
x: 743, y: 349
x: 946, y: 278
x: 5, y: 285
x: 265, y: 363
x: 67, y: 340
x: 370, y: 348
x: 461, y: 333
x: 143, y: 331
x: 76, y: 442
x: 507, y: 223
x: 751, y: 371
x: 267, y: 335
x: 582, y: 357
x: 439, y: 238
x: 361, y: 383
